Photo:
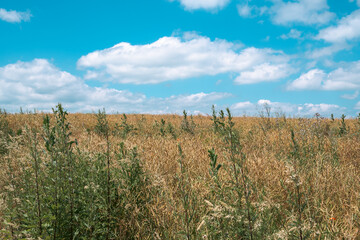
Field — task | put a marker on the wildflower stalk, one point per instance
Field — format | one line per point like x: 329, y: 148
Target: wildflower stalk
x: 162, y: 127
x: 49, y: 137
x: 33, y: 143
x: 343, y: 130
x: 188, y: 199
x: 108, y: 182
x: 102, y: 128
x: 214, y: 168
x: 218, y: 123
x: 296, y: 180
x: 63, y: 134
x: 11, y: 196
x: 186, y: 125
x: 124, y: 128
x: 58, y: 145
x: 239, y: 170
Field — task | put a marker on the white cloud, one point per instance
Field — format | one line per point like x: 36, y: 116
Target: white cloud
x: 244, y: 10
x: 327, y: 51
x: 284, y: 12
x: 204, y: 4
x: 310, y: 80
x: 242, y: 105
x: 347, y: 77
x: 194, y: 103
x: 172, y: 58
x: 198, y: 98
x: 39, y: 84
x: 249, y: 11
x: 342, y: 78
x: 341, y: 36
x: 276, y: 106
x: 14, y: 16
x: 293, y: 34
x: 348, y: 28
x: 322, y: 108
x: 264, y: 73
x: 264, y: 102
x: 43, y: 85
x: 37, y: 80
x: 307, y: 109
x: 357, y: 105
x: 307, y: 12
x: 351, y: 96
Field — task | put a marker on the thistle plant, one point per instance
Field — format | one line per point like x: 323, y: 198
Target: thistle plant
x: 59, y: 147
x: 9, y: 196
x: 102, y: 128
x: 343, y: 129
x: 186, y: 125
x: 171, y: 129
x: 296, y: 194
x: 239, y: 173
x: 214, y: 169
x: 162, y: 127
x: 124, y: 128
x: 218, y: 122
x: 32, y: 139
x: 135, y: 196
x: 302, y: 185
x: 234, y: 200
x: 188, y: 201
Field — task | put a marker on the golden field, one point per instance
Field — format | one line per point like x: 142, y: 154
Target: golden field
x: 265, y: 184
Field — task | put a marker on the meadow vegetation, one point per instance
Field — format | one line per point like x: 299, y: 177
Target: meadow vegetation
x: 112, y: 176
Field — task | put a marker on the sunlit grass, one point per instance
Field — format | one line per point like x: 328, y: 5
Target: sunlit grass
x: 101, y: 176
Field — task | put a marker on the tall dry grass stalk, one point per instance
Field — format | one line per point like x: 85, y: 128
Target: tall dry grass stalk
x: 266, y: 177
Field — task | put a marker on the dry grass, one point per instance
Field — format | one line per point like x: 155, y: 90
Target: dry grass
x: 329, y: 178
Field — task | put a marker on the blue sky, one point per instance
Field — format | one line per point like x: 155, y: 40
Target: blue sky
x: 300, y: 57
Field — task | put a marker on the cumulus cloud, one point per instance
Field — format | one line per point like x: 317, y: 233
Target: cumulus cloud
x: 342, y: 78
x: 43, y: 85
x: 308, y: 81
x: 172, y: 58
x: 357, y: 105
x: 327, y: 51
x: 284, y: 12
x: 194, y: 103
x: 351, y: 96
x: 340, y: 36
x: 245, y: 10
x: 293, y: 34
x: 264, y: 73
x: 322, y: 108
x: 14, y: 16
x: 242, y: 105
x: 248, y: 11
x: 307, y: 12
x: 203, y: 4
x: 306, y: 109
x: 39, y: 84
x: 348, y: 28
x: 276, y: 106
